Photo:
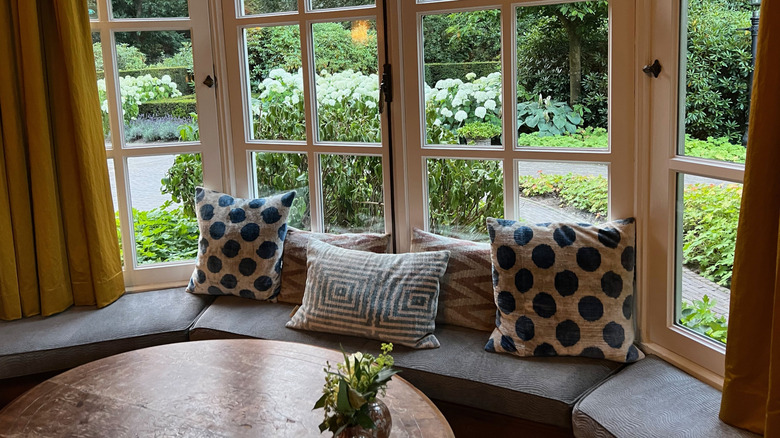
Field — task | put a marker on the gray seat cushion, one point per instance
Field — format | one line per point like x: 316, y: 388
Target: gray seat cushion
x: 83, y: 334
x: 652, y: 398
x: 460, y: 371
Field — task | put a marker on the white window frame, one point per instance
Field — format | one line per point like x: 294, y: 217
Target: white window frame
x: 171, y: 273
x: 233, y: 25
x: 658, y: 142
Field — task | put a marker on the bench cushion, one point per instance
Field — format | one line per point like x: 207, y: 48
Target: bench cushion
x: 652, y: 398
x: 460, y: 371
x: 83, y: 334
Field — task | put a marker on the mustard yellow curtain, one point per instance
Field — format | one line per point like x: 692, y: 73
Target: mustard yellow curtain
x: 58, y: 243
x: 751, y: 390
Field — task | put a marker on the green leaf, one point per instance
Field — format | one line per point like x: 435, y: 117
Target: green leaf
x: 342, y: 399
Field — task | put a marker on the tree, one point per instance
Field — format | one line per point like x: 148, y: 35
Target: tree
x: 577, y: 20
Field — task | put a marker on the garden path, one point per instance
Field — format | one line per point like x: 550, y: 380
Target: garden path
x: 145, y: 174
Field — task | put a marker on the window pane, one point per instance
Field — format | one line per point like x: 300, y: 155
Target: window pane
x: 345, y: 57
x: 162, y: 196
x: 92, y: 8
x: 156, y: 86
x: 97, y: 52
x: 280, y: 173
x: 562, y: 66
x: 327, y: 4
x: 352, y: 191
x: 149, y: 8
x: 462, y: 53
x: 462, y: 194
x: 716, y: 78
x: 276, y: 83
x: 256, y: 7
x: 563, y: 191
x: 708, y: 220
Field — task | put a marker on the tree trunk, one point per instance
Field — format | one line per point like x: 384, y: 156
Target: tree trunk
x: 575, y: 59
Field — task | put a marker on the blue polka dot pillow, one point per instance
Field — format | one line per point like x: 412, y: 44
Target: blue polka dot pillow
x: 564, y: 289
x: 241, y: 242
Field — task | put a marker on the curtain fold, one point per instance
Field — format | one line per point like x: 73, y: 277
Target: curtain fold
x: 58, y: 243
x: 751, y: 390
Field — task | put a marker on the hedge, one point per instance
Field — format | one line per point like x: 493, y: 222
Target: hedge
x: 176, y: 106
x: 178, y: 75
x: 435, y: 72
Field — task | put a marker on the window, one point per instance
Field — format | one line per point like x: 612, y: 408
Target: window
x: 304, y: 103
x: 505, y: 108
x: 159, y: 125
x: 695, y: 181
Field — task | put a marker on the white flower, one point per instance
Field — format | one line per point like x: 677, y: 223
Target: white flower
x: 446, y: 112
x: 457, y: 101
x: 370, y: 104
x: 479, y: 112
x: 441, y: 95
x: 490, y: 104
x: 461, y: 115
x: 471, y: 76
x: 295, y: 99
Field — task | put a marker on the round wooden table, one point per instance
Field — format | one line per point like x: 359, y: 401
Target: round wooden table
x: 221, y: 388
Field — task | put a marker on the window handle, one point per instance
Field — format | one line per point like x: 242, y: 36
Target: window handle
x: 652, y: 69
x: 209, y: 82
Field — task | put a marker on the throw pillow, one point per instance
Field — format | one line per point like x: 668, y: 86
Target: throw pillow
x: 241, y: 243
x: 564, y: 289
x: 390, y: 297
x: 294, y: 258
x: 466, y: 295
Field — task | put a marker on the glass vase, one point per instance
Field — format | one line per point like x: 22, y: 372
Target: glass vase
x: 380, y: 415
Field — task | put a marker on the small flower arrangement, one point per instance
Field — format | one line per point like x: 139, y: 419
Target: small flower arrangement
x: 479, y: 131
x: 348, y: 391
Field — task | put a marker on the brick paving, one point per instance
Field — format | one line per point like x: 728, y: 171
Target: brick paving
x: 694, y: 287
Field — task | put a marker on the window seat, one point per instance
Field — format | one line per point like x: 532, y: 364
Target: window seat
x: 583, y: 397
x: 83, y: 334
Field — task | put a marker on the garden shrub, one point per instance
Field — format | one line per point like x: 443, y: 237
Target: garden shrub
x: 279, y: 172
x: 279, y: 47
x: 463, y: 193
x: 548, y: 117
x: 137, y: 90
x: 180, y: 181
x: 177, y: 74
x: 718, y: 68
x: 715, y: 148
x: 584, y: 192
x: 127, y: 57
x: 452, y: 103
x: 150, y: 129
x: 438, y: 71
x: 583, y: 138
x: 163, y: 234
x: 711, y: 215
x: 180, y: 107
x: 699, y: 317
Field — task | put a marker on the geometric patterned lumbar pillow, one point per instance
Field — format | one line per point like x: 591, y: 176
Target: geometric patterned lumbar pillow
x: 390, y: 297
x: 466, y: 296
x: 294, y: 258
x: 564, y: 289
x: 241, y: 243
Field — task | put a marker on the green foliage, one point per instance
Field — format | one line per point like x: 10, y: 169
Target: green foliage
x: 451, y: 103
x: 700, y: 318
x: 462, y: 193
x: 182, y: 58
x: 583, y: 138
x: 127, y: 58
x: 279, y: 47
x: 356, y: 382
x: 584, y: 192
x: 435, y: 72
x: 548, y: 117
x: 715, y: 148
x: 180, y: 181
x: 190, y: 131
x: 710, y: 218
x: 151, y: 129
x: 278, y: 173
x: 137, y: 90
x: 479, y: 131
x: 178, y: 74
x: 180, y: 106
x: 164, y: 235
x: 473, y: 36
x: 718, y: 66
x: 352, y: 190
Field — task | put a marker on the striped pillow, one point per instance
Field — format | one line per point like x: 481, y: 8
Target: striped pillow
x: 294, y: 258
x: 466, y: 296
x: 390, y: 297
